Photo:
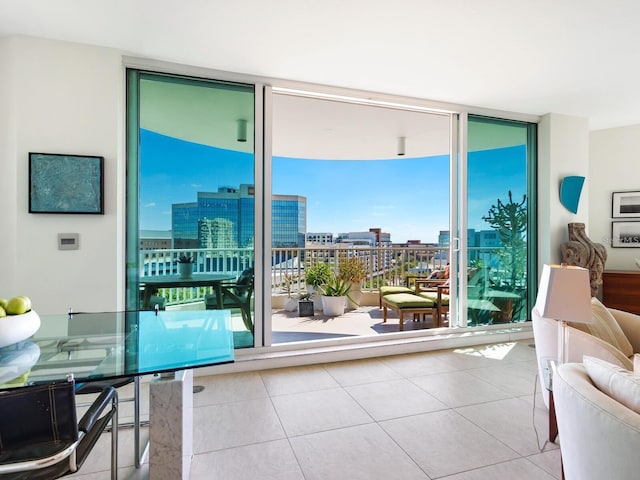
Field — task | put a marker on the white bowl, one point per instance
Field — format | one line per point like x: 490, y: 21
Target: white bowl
x: 15, y: 328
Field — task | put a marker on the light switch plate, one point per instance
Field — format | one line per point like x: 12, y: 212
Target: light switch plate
x: 68, y: 241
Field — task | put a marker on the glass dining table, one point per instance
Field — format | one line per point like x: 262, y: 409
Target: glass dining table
x: 114, y: 345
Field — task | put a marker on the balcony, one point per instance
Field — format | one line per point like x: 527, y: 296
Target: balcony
x: 384, y: 265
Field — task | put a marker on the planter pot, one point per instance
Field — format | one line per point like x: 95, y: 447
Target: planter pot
x: 185, y: 270
x: 290, y: 304
x: 355, y: 294
x: 333, y: 306
x: 305, y: 308
x: 317, y: 300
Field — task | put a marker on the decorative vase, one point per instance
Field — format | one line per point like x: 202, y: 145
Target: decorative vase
x: 580, y: 251
x: 185, y: 270
x: 333, y: 306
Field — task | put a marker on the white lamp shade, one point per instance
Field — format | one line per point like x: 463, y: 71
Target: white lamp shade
x: 565, y: 294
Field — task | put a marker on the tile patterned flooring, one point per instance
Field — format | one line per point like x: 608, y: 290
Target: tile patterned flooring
x: 459, y: 414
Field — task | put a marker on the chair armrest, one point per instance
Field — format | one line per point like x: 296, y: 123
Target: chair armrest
x: 581, y: 343
x: 97, y: 407
x: 630, y: 325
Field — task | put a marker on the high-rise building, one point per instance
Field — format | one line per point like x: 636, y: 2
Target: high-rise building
x: 226, y: 219
x: 216, y: 233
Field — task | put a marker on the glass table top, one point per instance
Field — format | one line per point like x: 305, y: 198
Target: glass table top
x: 109, y: 345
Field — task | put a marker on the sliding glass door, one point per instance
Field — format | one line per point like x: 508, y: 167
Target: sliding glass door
x: 191, y: 196
x: 497, y: 222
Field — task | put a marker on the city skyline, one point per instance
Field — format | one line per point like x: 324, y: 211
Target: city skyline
x: 406, y: 197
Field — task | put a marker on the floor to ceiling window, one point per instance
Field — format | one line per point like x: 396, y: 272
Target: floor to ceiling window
x: 191, y: 203
x: 499, y: 201
x: 378, y: 191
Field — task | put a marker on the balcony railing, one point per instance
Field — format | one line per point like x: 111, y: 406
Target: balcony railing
x: 384, y: 266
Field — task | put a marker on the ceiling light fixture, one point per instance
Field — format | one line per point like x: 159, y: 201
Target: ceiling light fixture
x: 401, y: 146
x: 242, y: 130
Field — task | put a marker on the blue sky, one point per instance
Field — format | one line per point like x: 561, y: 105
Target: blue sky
x: 409, y: 198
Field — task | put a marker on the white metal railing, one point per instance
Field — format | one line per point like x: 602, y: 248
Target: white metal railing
x: 385, y: 265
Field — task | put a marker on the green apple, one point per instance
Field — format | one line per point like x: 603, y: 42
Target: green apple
x: 18, y: 305
x: 3, y: 313
x: 3, y: 302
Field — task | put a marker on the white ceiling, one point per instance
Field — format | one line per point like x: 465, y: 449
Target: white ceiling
x: 574, y: 57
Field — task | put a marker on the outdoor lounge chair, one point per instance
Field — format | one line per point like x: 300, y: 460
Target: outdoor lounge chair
x: 238, y: 294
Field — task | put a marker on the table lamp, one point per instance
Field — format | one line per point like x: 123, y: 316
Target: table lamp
x: 564, y: 294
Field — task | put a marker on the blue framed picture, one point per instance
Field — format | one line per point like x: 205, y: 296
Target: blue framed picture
x: 65, y: 183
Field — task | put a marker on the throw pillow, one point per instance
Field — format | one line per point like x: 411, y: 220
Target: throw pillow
x: 605, y: 327
x: 617, y: 382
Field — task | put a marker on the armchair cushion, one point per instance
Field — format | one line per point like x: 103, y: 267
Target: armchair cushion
x: 620, y: 384
x: 605, y: 327
x: 630, y: 324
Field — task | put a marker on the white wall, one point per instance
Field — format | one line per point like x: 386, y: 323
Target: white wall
x: 563, y: 149
x: 614, y: 156
x: 60, y: 98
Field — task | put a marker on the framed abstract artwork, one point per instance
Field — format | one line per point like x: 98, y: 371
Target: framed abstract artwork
x: 61, y: 183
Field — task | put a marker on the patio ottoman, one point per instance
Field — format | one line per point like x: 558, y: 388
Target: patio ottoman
x: 389, y: 289
x: 403, y: 303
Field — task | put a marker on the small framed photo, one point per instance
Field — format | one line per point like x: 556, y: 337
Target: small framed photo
x: 65, y: 183
x: 625, y: 234
x: 625, y: 204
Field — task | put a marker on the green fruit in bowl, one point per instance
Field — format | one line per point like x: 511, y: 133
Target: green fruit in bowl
x: 18, y: 305
x: 3, y: 302
x: 3, y: 313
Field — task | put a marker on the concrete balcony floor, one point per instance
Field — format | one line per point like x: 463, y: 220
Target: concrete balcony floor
x: 363, y: 321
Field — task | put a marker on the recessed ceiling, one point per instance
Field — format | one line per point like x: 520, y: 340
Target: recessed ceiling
x: 568, y: 57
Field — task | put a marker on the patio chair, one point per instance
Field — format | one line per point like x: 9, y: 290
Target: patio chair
x: 238, y: 294
x: 41, y: 437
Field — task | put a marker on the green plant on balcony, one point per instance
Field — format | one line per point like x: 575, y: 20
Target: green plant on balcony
x: 288, y: 282
x: 352, y: 269
x: 317, y: 274
x: 185, y: 258
x: 335, y: 287
x: 509, y: 220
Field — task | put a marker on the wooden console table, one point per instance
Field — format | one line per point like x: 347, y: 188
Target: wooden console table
x: 621, y: 290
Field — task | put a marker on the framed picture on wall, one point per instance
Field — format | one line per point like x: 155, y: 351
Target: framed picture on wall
x: 625, y: 234
x: 625, y: 204
x: 65, y: 183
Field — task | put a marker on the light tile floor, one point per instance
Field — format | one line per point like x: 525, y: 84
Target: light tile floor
x: 460, y: 414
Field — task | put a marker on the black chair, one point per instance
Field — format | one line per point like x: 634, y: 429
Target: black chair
x: 236, y: 294
x: 40, y: 437
x: 97, y: 386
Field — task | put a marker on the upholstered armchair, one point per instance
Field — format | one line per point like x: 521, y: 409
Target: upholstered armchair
x: 599, y: 434
x: 613, y: 336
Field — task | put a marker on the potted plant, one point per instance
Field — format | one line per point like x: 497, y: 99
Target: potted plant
x: 290, y: 304
x: 315, y: 275
x: 353, y: 270
x: 185, y: 265
x: 334, y: 296
x: 305, y: 305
